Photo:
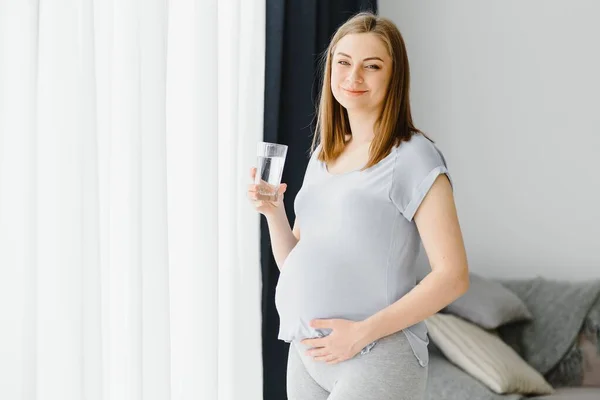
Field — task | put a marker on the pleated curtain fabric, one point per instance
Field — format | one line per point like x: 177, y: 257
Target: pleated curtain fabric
x: 129, y: 254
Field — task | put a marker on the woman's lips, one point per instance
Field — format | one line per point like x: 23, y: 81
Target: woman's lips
x: 354, y: 92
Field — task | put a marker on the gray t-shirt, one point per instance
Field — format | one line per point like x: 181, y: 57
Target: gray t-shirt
x: 358, y: 243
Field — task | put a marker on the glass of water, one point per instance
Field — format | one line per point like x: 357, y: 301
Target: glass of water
x: 269, y: 168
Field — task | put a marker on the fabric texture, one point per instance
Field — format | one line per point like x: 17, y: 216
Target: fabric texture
x: 581, y: 365
x: 388, y: 372
x: 485, y: 356
x: 569, y: 371
x: 589, y: 344
x: 112, y: 170
x: 358, y: 242
x: 590, y: 371
x: 560, y: 307
x: 489, y: 304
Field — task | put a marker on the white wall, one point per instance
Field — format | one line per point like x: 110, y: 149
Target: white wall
x: 510, y: 91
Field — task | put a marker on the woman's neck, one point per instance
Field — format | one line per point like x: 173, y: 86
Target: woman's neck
x: 362, y: 125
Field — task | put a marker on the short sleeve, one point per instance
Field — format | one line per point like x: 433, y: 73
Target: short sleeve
x: 418, y: 163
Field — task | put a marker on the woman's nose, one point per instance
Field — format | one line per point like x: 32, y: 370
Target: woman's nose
x: 355, y: 76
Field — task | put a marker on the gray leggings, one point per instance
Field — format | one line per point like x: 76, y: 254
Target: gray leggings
x: 389, y: 370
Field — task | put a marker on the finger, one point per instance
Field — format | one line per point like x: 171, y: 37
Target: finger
x: 328, y: 358
x: 282, y: 188
x: 252, y: 187
x: 321, y: 323
x: 334, y: 361
x: 322, y: 352
x: 256, y: 195
x: 312, y: 342
x: 264, y: 197
x: 252, y: 172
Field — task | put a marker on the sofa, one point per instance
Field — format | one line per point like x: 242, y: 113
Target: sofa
x: 517, y: 339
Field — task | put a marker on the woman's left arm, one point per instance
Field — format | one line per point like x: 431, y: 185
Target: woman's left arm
x: 438, y: 226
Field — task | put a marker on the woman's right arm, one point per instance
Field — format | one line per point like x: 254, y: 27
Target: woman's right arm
x: 283, y: 238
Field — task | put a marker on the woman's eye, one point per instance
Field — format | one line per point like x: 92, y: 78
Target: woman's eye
x: 343, y: 62
x: 373, y: 66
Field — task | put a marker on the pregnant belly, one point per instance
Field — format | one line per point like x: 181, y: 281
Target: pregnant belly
x: 318, y: 282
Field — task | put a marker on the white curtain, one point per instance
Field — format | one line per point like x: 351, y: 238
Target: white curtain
x: 129, y: 254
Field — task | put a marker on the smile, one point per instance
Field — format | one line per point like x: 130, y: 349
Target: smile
x: 354, y: 92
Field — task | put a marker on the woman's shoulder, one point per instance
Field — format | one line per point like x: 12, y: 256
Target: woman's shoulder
x: 419, y: 152
x: 418, y: 147
x: 417, y: 142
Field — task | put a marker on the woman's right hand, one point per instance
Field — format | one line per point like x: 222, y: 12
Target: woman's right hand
x: 264, y: 203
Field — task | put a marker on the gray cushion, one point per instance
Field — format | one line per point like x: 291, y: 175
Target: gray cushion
x: 489, y: 304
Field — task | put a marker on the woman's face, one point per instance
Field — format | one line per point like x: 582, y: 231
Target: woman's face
x: 360, y: 71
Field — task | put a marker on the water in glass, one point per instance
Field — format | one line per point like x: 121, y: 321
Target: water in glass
x: 268, y: 176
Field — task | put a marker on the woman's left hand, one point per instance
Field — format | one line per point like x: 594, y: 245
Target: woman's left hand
x: 344, y: 342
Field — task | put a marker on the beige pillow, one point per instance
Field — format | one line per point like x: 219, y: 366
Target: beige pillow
x: 485, y: 356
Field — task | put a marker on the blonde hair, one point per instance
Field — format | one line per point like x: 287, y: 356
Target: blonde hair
x: 394, y: 124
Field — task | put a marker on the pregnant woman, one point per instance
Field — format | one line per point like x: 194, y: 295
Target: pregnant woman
x: 374, y: 189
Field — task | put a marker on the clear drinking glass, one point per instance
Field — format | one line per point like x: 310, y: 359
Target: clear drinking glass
x: 269, y: 168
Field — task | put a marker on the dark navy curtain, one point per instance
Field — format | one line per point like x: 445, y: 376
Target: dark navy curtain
x: 298, y: 31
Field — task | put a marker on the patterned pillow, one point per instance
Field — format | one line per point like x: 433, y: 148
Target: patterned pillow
x: 590, y: 350
x: 581, y: 365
